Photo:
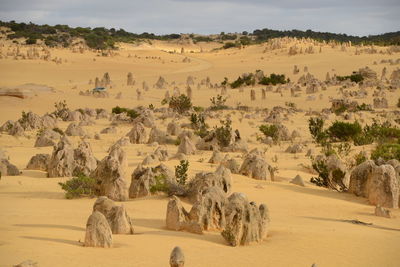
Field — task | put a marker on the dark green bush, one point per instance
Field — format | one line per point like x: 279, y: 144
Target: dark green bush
x: 386, y: 152
x: 323, y: 174
x: 274, y: 79
x: 316, y: 127
x: 229, y: 45
x: 355, y: 77
x: 130, y: 112
x: 218, y: 103
x: 270, y: 131
x: 242, y: 81
x: 198, y: 124
x: 181, y: 172
x: 160, y: 185
x: 344, y: 131
x: 223, y: 133
x: 180, y: 104
x: 79, y: 186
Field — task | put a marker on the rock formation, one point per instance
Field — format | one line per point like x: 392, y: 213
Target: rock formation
x: 98, y: 231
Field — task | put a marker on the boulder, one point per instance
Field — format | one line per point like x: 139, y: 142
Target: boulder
x: 202, y: 181
x: 177, y: 259
x: 379, y: 184
x: 47, y: 138
x: 117, y: 217
x: 98, y: 231
x: 232, y: 165
x: 110, y: 175
x: 298, y: 180
x: 8, y: 169
x: 143, y: 179
x: 137, y: 135
x: 246, y: 222
x: 216, y: 157
x: 75, y: 130
x: 174, y: 129
x: 161, y: 153
x: 62, y: 162
x: 39, y: 162
x: 382, y: 212
x: 186, y: 146
x: 177, y: 218
x: 255, y: 166
x: 296, y: 148
x: 85, y: 162
x: 159, y: 136
x: 209, y: 210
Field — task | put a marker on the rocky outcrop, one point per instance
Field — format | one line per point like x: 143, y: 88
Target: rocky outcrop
x: 137, y: 135
x: 62, y: 162
x: 110, y: 175
x: 216, y: 158
x: 202, y: 181
x: 246, y: 222
x: 160, y: 137
x: 84, y: 160
x: 117, y: 217
x: 296, y: 148
x: 186, y: 146
x: 174, y: 129
x: 255, y: 166
x: 98, y: 231
x: 143, y: 179
x: 75, y: 130
x: 378, y: 184
x: 47, y: 138
x: 39, y: 162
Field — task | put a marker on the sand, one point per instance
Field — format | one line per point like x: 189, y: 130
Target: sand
x: 38, y: 223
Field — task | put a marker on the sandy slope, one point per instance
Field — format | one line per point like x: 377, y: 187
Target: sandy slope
x: 37, y: 223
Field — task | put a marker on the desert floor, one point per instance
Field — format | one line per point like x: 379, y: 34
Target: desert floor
x: 38, y: 223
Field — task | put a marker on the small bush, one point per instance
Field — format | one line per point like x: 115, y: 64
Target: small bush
x: 316, y: 127
x: 383, y: 133
x: 344, y: 131
x: 355, y: 77
x: 181, y: 172
x: 130, y: 112
x: 363, y: 107
x: 360, y: 158
x: 79, y: 186
x: 180, y: 104
x: 323, y: 174
x: 224, y: 133
x: 60, y: 108
x: 270, y: 131
x: 343, y: 149
x: 386, y: 152
x: 198, y: 124
x: 161, y: 184
x: 218, y: 103
x: 229, y: 45
x: 274, y: 79
x: 241, y: 81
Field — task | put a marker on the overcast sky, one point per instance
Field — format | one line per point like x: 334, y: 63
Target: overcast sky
x: 355, y: 17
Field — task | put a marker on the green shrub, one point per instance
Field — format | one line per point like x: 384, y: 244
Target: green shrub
x: 386, y: 152
x: 198, y: 109
x: 61, y: 108
x: 274, y: 79
x: 180, y: 104
x: 160, y: 185
x: 229, y: 45
x: 383, y: 133
x: 323, y: 174
x: 343, y: 149
x: 218, y: 103
x: 363, y: 107
x: 223, y: 133
x: 181, y: 172
x: 241, y: 81
x: 344, y: 131
x: 31, y: 40
x: 270, y: 131
x: 360, y: 158
x: 130, y: 112
x: 79, y: 186
x: 355, y: 77
x: 199, y: 125
x: 316, y: 128
x: 363, y: 139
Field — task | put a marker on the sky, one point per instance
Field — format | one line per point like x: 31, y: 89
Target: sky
x: 353, y: 17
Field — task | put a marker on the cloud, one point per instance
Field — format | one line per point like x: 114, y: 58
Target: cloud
x: 358, y: 17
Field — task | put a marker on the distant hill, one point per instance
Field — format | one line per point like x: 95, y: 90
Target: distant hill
x: 103, y: 38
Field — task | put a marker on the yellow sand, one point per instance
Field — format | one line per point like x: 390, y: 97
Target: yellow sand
x: 38, y: 223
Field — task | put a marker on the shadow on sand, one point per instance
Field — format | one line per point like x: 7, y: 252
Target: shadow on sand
x: 56, y: 226
x: 57, y: 240
x: 355, y: 222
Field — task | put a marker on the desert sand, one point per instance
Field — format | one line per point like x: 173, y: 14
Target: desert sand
x: 307, y: 223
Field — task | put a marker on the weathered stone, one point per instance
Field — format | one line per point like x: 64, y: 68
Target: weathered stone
x: 186, y: 146
x: 74, y: 130
x: 117, y: 217
x: 110, y: 175
x: 245, y: 222
x: 62, y: 162
x: 298, y: 180
x: 255, y: 166
x: 137, y: 134
x: 216, y: 158
x: 173, y: 128
x: 98, y: 231
x: 177, y: 259
x: 85, y: 162
x: 8, y: 169
x: 382, y: 212
x: 39, y: 162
